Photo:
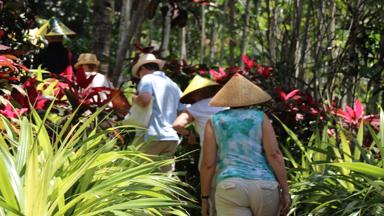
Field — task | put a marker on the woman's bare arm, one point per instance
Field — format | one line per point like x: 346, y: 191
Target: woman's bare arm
x: 276, y: 160
x: 182, y: 120
x: 208, y: 165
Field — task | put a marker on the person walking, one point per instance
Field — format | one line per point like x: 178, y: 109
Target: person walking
x: 198, y: 94
x: 55, y: 57
x: 252, y: 179
x: 159, y: 90
x: 88, y: 63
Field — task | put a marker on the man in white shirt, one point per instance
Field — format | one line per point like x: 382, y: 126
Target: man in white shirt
x: 155, y: 85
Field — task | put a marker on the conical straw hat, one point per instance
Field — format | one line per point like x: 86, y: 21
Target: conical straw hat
x: 239, y: 91
x: 57, y: 28
x: 53, y: 27
x: 198, y: 82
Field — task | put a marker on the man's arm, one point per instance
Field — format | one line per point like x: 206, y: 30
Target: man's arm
x: 142, y: 99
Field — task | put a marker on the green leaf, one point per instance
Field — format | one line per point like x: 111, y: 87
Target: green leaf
x: 24, y: 144
x: 364, y: 168
x: 359, y: 139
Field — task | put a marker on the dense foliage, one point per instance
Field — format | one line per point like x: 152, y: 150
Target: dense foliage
x: 322, y: 62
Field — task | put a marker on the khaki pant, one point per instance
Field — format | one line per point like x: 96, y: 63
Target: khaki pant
x: 212, y: 192
x: 244, y: 197
x: 165, y: 149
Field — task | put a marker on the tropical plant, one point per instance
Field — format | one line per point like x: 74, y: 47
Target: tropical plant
x: 336, y: 174
x: 74, y: 169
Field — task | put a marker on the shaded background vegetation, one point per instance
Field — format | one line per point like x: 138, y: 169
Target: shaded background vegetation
x: 334, y: 48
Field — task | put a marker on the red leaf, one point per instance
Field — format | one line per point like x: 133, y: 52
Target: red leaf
x: 2, y: 33
x: 248, y: 62
x: 218, y: 75
x: 292, y: 94
x: 265, y: 71
x: 204, y: 2
x: 344, y: 115
x: 68, y: 73
x: 82, y: 79
x: 358, y: 109
x: 281, y: 93
x: 120, y: 102
x: 9, y: 112
x: 350, y: 112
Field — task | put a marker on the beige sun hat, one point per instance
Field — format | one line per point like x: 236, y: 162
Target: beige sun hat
x: 239, y: 91
x: 87, y: 58
x: 198, y: 83
x: 146, y: 58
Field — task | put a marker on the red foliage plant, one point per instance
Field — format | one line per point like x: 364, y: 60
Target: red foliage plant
x: 354, y: 116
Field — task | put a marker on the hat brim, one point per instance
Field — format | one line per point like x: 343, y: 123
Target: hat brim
x: 78, y: 64
x: 238, y: 92
x: 136, y: 67
x: 208, y: 91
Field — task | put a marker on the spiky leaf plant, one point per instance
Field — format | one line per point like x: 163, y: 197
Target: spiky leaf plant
x: 337, y: 175
x: 74, y: 169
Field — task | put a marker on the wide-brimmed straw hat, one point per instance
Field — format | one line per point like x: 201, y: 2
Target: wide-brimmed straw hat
x: 198, y: 83
x: 146, y: 58
x: 239, y: 91
x: 87, y: 58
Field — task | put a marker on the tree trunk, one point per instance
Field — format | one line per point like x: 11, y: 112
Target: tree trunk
x: 183, y: 43
x: 376, y: 80
x: 102, y: 23
x: 352, y: 51
x: 318, y: 54
x: 231, y: 32
x: 202, y: 35
x: 126, y: 37
x: 212, y: 43
x: 166, y: 32
x: 222, y: 23
x: 272, y: 31
x: 294, y: 54
x: 304, y: 45
x: 245, y: 32
x: 331, y: 50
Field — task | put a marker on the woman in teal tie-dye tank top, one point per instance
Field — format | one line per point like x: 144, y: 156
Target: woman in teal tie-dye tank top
x: 252, y: 179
